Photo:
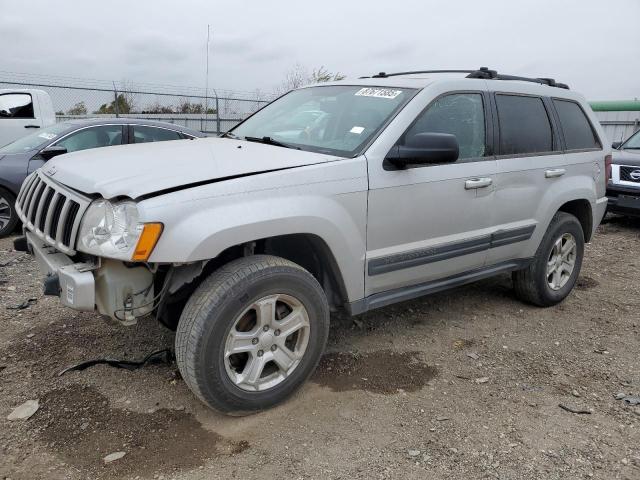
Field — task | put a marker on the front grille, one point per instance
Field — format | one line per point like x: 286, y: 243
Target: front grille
x: 627, y: 174
x: 51, y: 211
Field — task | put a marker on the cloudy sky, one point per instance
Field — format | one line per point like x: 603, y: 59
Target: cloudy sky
x: 593, y: 45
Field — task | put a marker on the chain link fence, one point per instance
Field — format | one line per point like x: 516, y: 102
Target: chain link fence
x: 211, y: 112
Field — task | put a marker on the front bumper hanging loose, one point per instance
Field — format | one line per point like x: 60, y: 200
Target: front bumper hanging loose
x: 73, y: 282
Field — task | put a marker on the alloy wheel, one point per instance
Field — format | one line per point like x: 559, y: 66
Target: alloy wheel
x: 561, y: 262
x: 266, y: 342
x: 5, y: 212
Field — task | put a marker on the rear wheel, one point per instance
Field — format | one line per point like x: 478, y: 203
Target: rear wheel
x: 555, y: 268
x: 252, y: 333
x: 8, y: 215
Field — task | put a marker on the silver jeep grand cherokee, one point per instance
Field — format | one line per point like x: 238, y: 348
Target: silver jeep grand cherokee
x: 352, y: 194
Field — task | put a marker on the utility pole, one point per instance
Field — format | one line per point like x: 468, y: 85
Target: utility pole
x: 206, y: 85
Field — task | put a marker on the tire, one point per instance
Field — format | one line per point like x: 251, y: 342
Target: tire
x: 229, y: 298
x: 8, y: 215
x: 532, y: 284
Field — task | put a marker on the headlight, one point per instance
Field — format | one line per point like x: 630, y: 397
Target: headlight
x: 112, y: 230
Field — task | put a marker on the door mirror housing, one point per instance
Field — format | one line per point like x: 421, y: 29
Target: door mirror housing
x: 616, y: 145
x: 52, y: 151
x: 425, y: 148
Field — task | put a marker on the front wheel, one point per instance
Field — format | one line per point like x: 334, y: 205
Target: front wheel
x: 555, y: 268
x: 8, y: 215
x: 252, y: 333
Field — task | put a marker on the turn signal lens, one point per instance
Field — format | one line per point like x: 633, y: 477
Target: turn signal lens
x: 148, y: 238
x: 608, y: 160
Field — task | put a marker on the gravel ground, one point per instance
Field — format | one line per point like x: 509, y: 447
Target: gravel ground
x: 463, y: 384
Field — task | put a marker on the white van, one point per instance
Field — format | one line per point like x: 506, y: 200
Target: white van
x: 22, y: 111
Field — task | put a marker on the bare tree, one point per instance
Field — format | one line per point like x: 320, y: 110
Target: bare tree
x: 185, y: 106
x: 299, y: 75
x: 296, y: 77
x: 78, y: 109
x: 157, y: 107
x: 323, y: 75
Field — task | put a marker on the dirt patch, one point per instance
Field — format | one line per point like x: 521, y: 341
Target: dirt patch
x: 48, y: 338
x: 78, y: 424
x: 379, y: 372
x: 585, y: 283
x: 239, y: 447
x: 463, y: 343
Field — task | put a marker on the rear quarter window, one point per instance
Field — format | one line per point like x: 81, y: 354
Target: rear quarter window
x: 577, y: 130
x: 524, y: 125
x: 144, y: 134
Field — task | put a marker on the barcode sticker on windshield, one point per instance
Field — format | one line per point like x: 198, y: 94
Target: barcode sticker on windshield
x: 378, y: 92
x: 48, y: 136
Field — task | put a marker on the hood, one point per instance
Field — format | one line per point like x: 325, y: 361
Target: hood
x: 626, y: 157
x: 136, y: 170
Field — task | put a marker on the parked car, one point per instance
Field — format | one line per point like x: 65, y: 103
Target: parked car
x: 624, y: 187
x: 22, y: 111
x: 417, y: 183
x: 20, y: 158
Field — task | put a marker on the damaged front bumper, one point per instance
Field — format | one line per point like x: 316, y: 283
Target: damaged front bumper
x: 74, y: 282
x: 122, y: 292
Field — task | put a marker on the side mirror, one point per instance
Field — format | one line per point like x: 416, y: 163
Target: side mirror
x: 425, y: 148
x: 616, y: 145
x: 52, y: 151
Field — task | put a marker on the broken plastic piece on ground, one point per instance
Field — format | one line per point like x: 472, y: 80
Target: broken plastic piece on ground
x: 161, y: 356
x: 26, y: 304
x: 24, y: 411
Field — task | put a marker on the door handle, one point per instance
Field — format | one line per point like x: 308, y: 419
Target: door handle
x: 554, y: 172
x: 481, y: 182
x: 32, y: 126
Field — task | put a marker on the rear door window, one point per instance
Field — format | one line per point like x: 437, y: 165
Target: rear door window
x: 144, y: 134
x: 578, y: 132
x: 524, y: 125
x: 93, y: 137
x: 16, y: 105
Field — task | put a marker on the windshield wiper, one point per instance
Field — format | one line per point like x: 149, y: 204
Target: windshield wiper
x: 229, y: 135
x: 270, y: 141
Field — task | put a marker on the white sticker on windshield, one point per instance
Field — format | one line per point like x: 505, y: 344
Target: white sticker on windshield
x: 378, y: 92
x: 357, y: 130
x: 48, y: 136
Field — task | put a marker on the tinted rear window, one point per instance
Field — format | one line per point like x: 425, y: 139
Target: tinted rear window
x: 524, y: 125
x: 578, y: 133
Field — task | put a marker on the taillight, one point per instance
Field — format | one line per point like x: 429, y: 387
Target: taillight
x: 607, y: 168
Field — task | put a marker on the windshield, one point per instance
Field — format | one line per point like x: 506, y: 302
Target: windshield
x: 36, y: 140
x: 633, y: 142
x: 337, y: 120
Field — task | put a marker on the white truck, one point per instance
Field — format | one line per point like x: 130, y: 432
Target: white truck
x: 22, y: 111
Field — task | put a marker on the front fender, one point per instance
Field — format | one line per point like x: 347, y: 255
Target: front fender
x: 327, y: 201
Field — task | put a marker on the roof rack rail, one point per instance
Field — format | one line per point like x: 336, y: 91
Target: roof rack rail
x: 487, y: 74
x: 385, y: 75
x: 483, y: 73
